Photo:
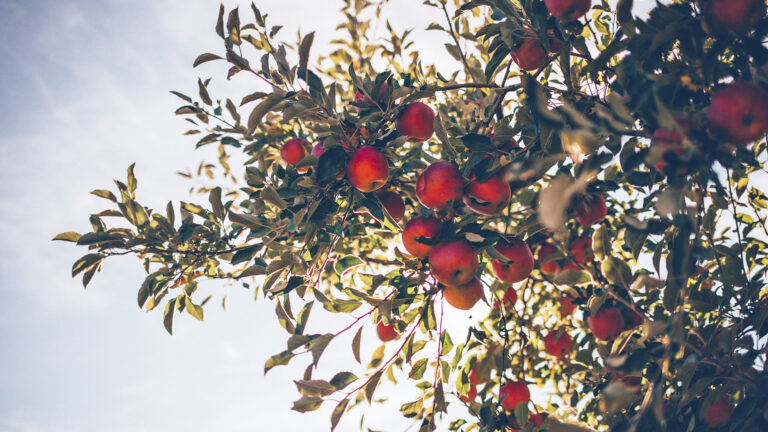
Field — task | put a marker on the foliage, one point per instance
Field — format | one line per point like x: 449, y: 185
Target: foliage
x: 681, y: 253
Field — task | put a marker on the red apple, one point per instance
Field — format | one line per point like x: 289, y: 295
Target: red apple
x: 591, y: 210
x: 318, y: 149
x: 368, y: 169
x: 557, y: 343
x: 551, y: 267
x: 530, y: 55
x: 393, y: 204
x: 488, y: 198
x: 440, y: 183
x: 386, y: 332
x: 475, y: 378
x: 566, y: 306
x: 518, y: 252
x: 606, y: 324
x: 667, y: 141
x: 359, y: 95
x: 581, y: 249
x: 738, y: 16
x: 510, y: 298
x: 568, y: 10
x: 416, y: 122
x: 464, y: 296
x: 469, y: 397
x: 453, y: 262
x: 513, y: 393
x: 294, y: 150
x: 739, y: 113
x: 420, y: 227
x: 719, y: 412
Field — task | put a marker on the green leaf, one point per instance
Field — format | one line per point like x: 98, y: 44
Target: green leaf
x: 418, y: 369
x: 97, y: 237
x: 412, y: 409
x: 168, y: 315
x: 338, y: 412
x: 85, y: 262
x: 318, y: 345
x: 315, y: 387
x: 346, y: 263
x: 307, y: 403
x: 356, y: 344
x: 69, y: 236
x: 194, y: 310
x: 304, y: 47
x: 202, y: 58
x: 343, y: 379
x: 215, y: 199
x: 373, y: 382
x: 280, y: 359
x: 131, y: 180
x: 103, y: 193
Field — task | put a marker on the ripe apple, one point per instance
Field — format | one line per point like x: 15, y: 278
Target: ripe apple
x: 551, y: 267
x: 719, y: 412
x: 739, y: 113
x: 530, y: 55
x: 475, y: 378
x: 294, y: 150
x: 488, y: 198
x: 509, y: 300
x: 557, y: 343
x: 439, y: 183
x: 513, y: 393
x: 464, y: 296
x: 318, y: 149
x: 359, y: 95
x: 738, y: 16
x: 665, y: 141
x: 581, y: 249
x: 518, y: 252
x: 416, y: 122
x: 453, y: 262
x: 469, y: 397
x: 416, y: 228
x: 568, y: 10
x: 606, y: 324
x: 393, y: 204
x: 386, y: 332
x: 591, y: 210
x: 566, y: 306
x: 368, y: 169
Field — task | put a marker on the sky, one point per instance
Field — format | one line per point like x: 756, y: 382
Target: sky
x: 84, y: 93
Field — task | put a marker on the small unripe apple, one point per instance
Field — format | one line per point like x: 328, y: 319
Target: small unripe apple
x: 719, y: 412
x: 551, y: 267
x: 393, y: 204
x: 453, y: 263
x: 386, y: 332
x: 464, y: 296
x: 518, y: 252
x: 566, y: 306
x: 557, y: 343
x: 738, y: 16
x: 509, y: 300
x: 368, y: 169
x: 591, y: 210
x: 416, y: 122
x: 416, y: 228
x: 739, y: 113
x: 440, y: 183
x: 294, y: 150
x: 488, y: 198
x: 530, y: 55
x: 513, y: 393
x: 568, y: 10
x: 581, y: 249
x: 469, y: 397
x: 606, y: 324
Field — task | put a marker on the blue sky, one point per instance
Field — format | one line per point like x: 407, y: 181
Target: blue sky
x: 84, y: 93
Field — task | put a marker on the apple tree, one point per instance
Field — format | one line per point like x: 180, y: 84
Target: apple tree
x: 595, y: 178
